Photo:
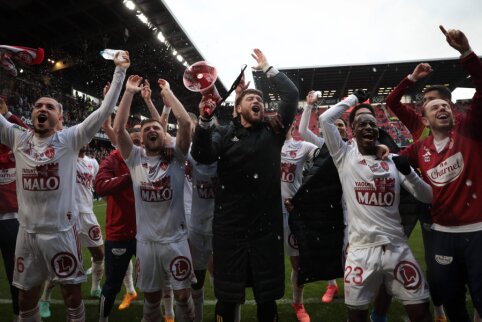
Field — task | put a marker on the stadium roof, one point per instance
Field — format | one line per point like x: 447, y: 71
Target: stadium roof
x: 336, y: 82
x: 73, y: 33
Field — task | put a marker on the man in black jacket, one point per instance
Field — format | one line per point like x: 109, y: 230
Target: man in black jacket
x: 247, y: 225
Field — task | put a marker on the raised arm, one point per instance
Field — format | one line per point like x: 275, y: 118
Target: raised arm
x: 124, y: 141
x: 146, y: 93
x: 333, y: 139
x: 183, y: 137
x: 284, y: 86
x: 409, y: 117
x: 303, y: 128
x: 86, y: 130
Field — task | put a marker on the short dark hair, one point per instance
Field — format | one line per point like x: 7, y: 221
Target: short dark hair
x: 145, y: 121
x: 443, y: 91
x: 351, y: 117
x: 344, y: 121
x: 246, y: 92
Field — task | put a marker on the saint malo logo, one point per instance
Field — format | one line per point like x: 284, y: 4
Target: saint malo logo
x: 447, y: 171
x: 288, y: 172
x: 41, y: 178
x: 156, y: 191
x: 381, y: 194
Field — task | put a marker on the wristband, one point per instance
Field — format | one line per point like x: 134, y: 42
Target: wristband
x: 206, y: 123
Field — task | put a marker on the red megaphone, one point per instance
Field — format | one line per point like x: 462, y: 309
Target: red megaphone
x: 201, y: 77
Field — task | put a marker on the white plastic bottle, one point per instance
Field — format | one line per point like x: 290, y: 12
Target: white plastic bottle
x: 109, y: 53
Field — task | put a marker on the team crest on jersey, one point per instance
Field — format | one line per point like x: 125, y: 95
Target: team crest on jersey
x: 384, y: 165
x: 293, y: 154
x: 64, y: 264
x: 84, y: 179
x: 292, y: 241
x: 408, y: 274
x: 50, y: 152
x: 94, y: 233
x: 447, y: 171
x: 181, y: 268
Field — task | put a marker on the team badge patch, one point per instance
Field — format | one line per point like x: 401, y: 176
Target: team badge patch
x: 292, y: 241
x: 408, y: 275
x: 94, y: 233
x: 64, y: 264
x: 181, y: 268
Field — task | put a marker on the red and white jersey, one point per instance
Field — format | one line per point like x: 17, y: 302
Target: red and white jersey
x: 158, y: 190
x: 294, y: 155
x: 204, y: 181
x: 46, y: 179
x: 87, y: 169
x: 371, y: 188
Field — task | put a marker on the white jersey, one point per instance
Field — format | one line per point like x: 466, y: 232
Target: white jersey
x: 188, y: 186
x: 158, y: 191
x: 204, y: 179
x: 371, y: 188
x: 45, y: 167
x: 294, y: 155
x: 87, y: 169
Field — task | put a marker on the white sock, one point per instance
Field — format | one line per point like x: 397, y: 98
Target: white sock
x: 198, y: 298
x: 97, y: 273
x: 439, y: 311
x: 151, y: 312
x: 128, y: 281
x: 48, y: 288
x: 332, y: 282
x: 237, y: 313
x: 185, y: 310
x: 76, y: 314
x: 32, y: 315
x: 297, y: 290
x: 168, y: 302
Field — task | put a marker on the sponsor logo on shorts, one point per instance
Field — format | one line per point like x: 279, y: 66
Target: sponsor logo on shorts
x: 94, y: 233
x: 64, y: 264
x: 181, y: 268
x: 118, y: 251
x: 408, y: 274
x: 443, y: 260
x: 41, y: 178
x: 292, y: 241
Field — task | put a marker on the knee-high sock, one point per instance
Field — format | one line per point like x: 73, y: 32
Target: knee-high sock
x: 47, y: 292
x: 185, y: 310
x: 198, y: 298
x: 76, y: 314
x: 332, y: 282
x: 297, y: 290
x: 128, y: 280
x: 152, y: 312
x: 32, y: 315
x: 168, y: 302
x: 97, y: 273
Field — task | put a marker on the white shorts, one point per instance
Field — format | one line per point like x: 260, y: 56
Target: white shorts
x: 40, y: 257
x: 394, y: 265
x: 291, y: 245
x: 160, y: 265
x: 201, y: 246
x: 90, y: 234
